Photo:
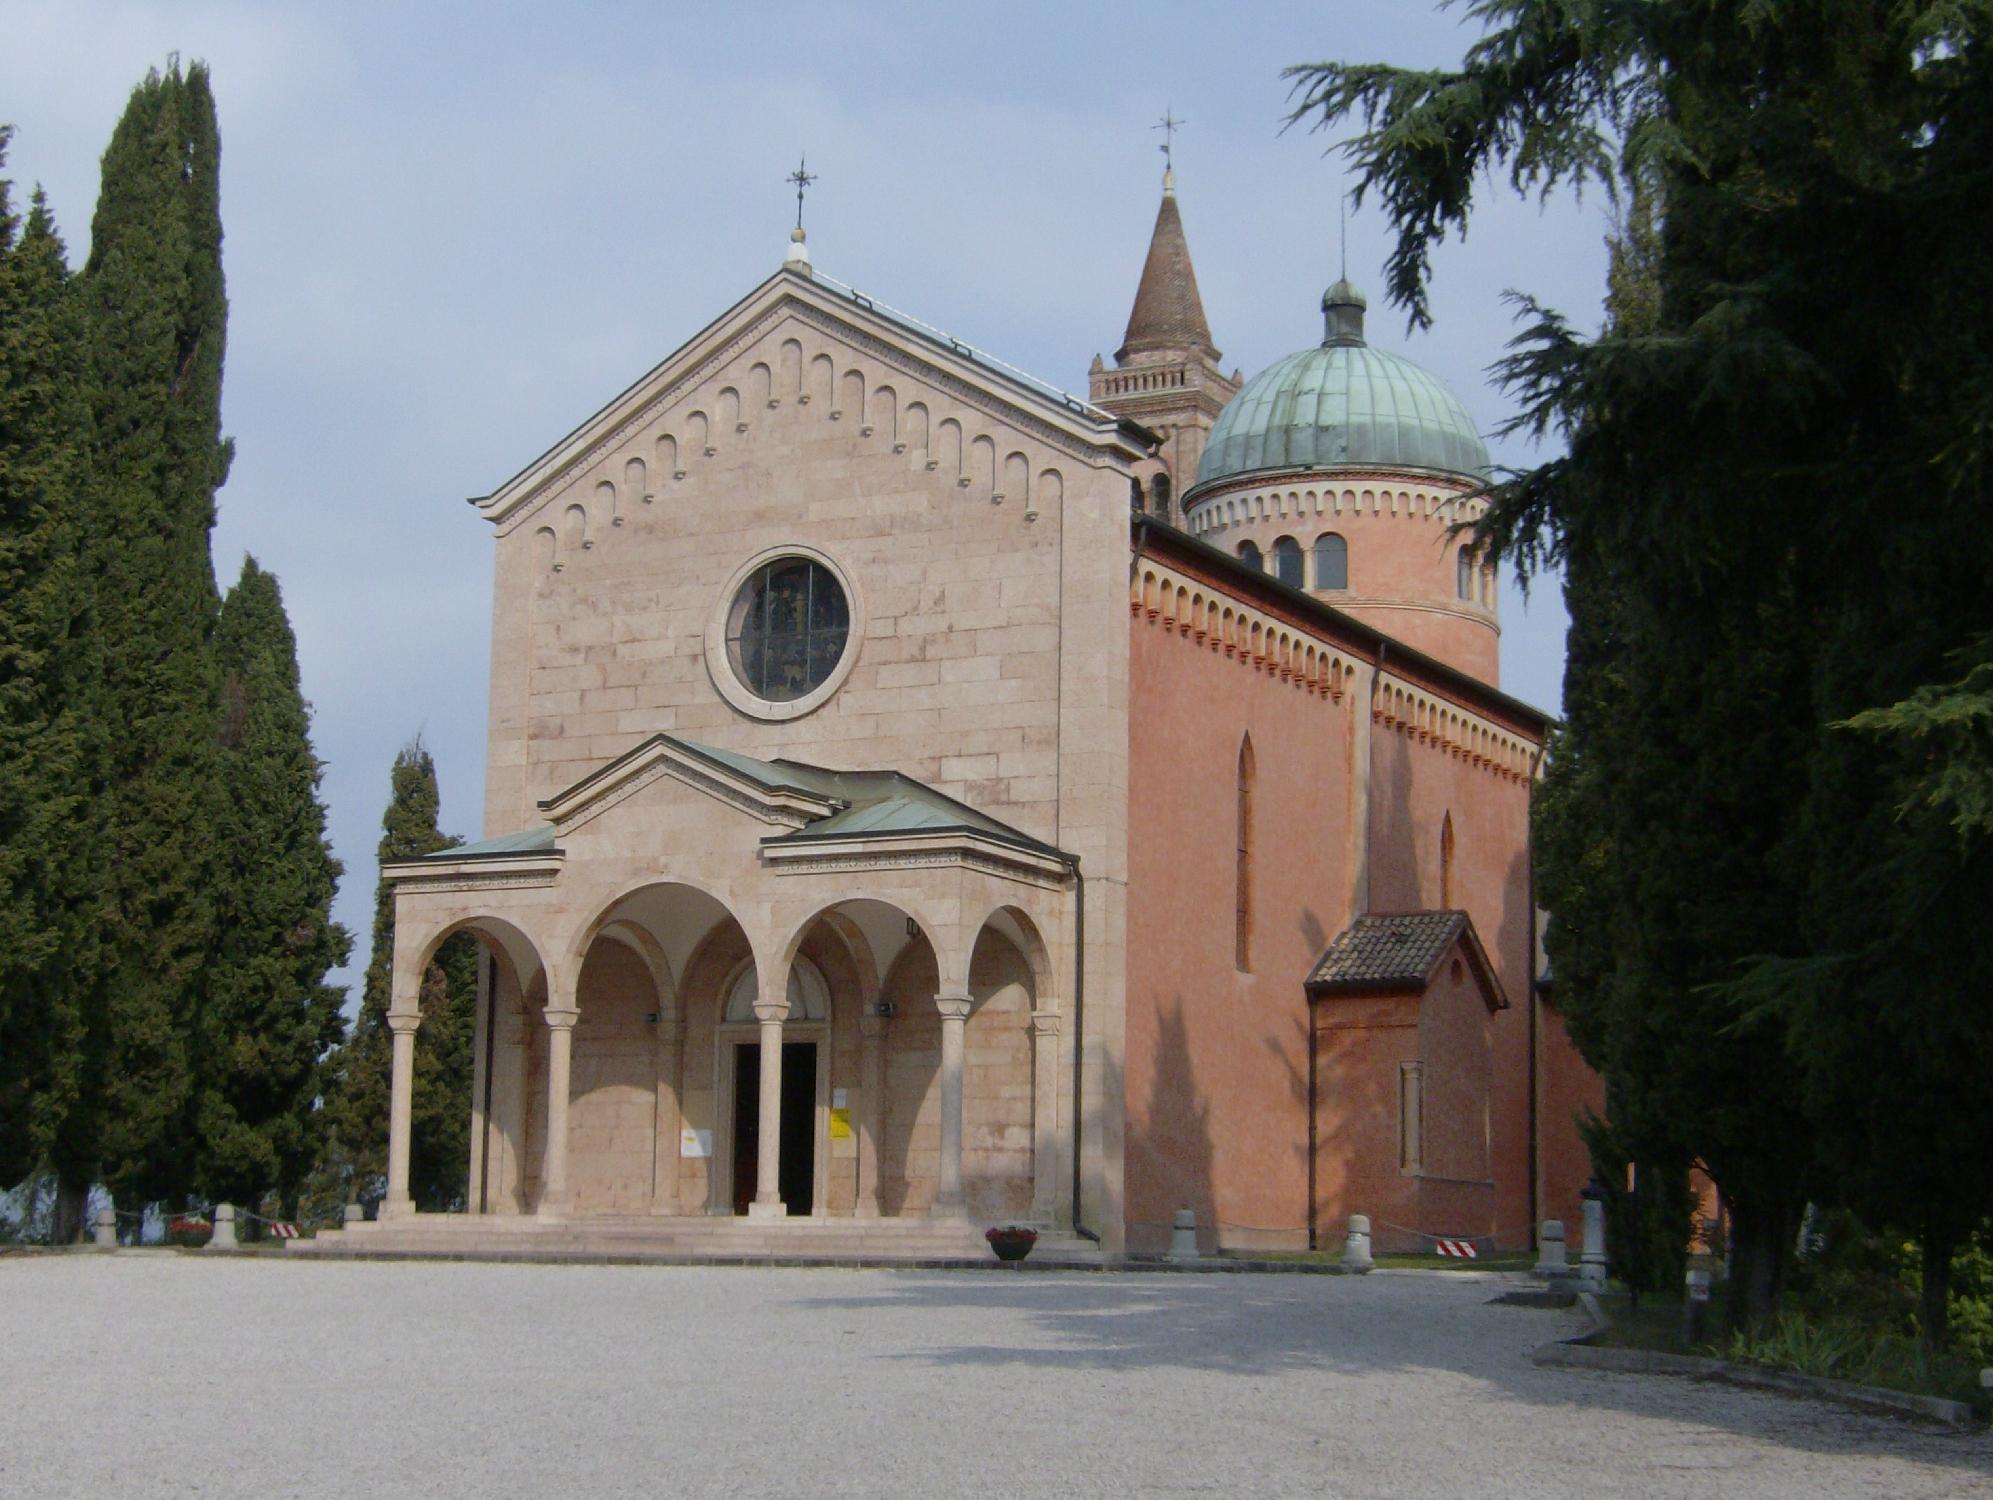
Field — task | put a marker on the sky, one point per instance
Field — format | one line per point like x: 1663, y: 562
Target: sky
x: 453, y: 231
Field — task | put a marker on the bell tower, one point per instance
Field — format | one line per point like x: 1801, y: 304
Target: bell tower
x: 1166, y: 373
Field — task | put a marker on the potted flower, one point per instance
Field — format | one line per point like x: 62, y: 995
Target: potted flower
x: 1011, y: 1241
x: 189, y: 1231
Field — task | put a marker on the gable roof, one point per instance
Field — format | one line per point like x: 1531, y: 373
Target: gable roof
x: 1397, y: 951
x: 817, y: 804
x: 1021, y: 400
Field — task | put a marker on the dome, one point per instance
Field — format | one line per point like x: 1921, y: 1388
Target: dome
x: 1343, y: 403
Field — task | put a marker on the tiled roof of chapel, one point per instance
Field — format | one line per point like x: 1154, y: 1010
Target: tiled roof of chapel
x: 1392, y: 951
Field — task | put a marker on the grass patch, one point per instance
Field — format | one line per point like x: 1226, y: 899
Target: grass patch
x: 1801, y: 1345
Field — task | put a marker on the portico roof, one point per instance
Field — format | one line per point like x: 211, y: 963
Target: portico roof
x: 825, y: 805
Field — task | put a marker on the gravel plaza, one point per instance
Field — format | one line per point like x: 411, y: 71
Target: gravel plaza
x: 158, y: 1373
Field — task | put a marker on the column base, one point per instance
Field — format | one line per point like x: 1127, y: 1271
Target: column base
x: 776, y: 1210
x: 957, y: 1212
x: 395, y: 1208
x: 551, y: 1213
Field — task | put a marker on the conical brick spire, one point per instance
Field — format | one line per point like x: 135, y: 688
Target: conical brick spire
x: 1168, y: 313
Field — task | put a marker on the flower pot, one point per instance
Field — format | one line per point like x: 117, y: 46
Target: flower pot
x: 1012, y: 1242
x: 189, y: 1234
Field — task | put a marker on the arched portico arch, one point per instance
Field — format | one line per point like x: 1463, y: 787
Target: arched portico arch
x: 519, y: 967
x: 1044, y: 1022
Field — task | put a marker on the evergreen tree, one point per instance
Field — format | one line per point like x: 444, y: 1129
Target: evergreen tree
x: 267, y: 1017
x: 51, y: 1024
x: 440, y: 1101
x: 153, y: 296
x: 1760, y: 510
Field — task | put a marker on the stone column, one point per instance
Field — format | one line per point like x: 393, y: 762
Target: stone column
x: 1044, y: 1115
x: 767, y: 1202
x: 954, y: 1022
x: 560, y: 1055
x: 401, y: 1086
x: 670, y: 1116
x: 871, y: 1109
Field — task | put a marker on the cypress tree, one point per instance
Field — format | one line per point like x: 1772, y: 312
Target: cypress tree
x: 267, y: 1018
x: 153, y: 295
x: 440, y: 1102
x: 51, y: 1027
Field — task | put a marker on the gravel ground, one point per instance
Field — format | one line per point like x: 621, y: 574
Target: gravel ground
x: 161, y: 1374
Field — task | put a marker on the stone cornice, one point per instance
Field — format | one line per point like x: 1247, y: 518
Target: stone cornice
x: 953, y: 848
x: 483, y: 873
x: 646, y: 402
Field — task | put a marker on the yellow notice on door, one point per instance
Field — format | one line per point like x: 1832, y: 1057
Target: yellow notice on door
x: 840, y: 1124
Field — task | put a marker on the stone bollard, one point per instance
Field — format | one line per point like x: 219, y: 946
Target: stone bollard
x: 1183, y: 1236
x: 1592, y: 1262
x: 1552, y: 1263
x: 223, y: 1237
x: 1356, y: 1249
x: 105, y: 1231
x: 353, y: 1214
x: 1695, y: 1305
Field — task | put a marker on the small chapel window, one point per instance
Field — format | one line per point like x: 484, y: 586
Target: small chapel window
x: 1287, y: 562
x: 1243, y: 933
x: 1331, y: 561
x: 787, y: 629
x: 1249, y: 554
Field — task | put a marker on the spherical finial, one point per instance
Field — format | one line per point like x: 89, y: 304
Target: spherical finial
x: 796, y: 235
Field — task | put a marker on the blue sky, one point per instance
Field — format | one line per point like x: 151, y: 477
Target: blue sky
x: 453, y: 231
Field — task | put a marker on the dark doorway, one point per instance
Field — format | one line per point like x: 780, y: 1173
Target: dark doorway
x: 798, y: 1160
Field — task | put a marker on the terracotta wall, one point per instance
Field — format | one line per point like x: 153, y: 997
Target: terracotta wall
x: 1566, y: 1088
x: 1417, y: 784
x: 1216, y: 1081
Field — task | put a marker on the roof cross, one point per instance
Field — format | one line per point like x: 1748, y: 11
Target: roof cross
x: 802, y: 177
x: 1169, y: 124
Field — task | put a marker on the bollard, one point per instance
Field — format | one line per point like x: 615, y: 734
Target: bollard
x: 1592, y: 1263
x: 353, y: 1214
x: 223, y: 1237
x: 1183, y: 1236
x: 1356, y: 1249
x: 1695, y: 1306
x: 1552, y: 1264
x: 105, y: 1231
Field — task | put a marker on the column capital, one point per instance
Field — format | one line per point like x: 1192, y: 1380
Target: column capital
x: 1046, y: 1022
x: 561, y: 1018
x: 771, y: 1013
x: 953, y: 1006
x: 403, y: 1021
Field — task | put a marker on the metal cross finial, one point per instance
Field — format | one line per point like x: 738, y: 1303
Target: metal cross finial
x: 802, y: 177
x: 1169, y: 124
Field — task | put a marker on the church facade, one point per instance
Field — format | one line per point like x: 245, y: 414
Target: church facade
x: 918, y: 796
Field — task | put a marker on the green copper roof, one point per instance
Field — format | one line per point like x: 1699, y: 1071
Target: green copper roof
x: 1343, y: 403
x: 534, y: 840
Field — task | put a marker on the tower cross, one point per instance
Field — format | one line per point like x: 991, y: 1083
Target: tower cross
x: 1169, y: 124
x: 802, y: 177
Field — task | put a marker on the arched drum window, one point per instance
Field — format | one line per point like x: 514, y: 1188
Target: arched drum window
x: 1331, y: 561
x: 1249, y: 554
x: 1287, y: 562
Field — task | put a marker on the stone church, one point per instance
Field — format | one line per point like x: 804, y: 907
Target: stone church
x: 919, y: 799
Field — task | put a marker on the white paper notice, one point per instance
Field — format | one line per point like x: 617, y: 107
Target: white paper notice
x: 838, y: 1099
x: 695, y: 1142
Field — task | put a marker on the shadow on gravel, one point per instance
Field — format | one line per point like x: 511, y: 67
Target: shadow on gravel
x: 1266, y: 1326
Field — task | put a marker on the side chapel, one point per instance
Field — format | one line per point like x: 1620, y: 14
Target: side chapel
x: 920, y: 798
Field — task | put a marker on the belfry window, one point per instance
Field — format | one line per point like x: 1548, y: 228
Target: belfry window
x: 787, y: 629
x: 1331, y: 561
x: 1159, y: 497
x: 1243, y: 933
x: 1287, y: 562
x: 1249, y: 554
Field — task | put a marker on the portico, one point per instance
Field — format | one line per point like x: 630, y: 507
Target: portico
x: 642, y: 1018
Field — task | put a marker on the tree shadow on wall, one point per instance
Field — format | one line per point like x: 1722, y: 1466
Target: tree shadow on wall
x: 1170, y: 1148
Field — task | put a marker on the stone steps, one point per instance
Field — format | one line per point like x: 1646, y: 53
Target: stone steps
x: 869, y: 1240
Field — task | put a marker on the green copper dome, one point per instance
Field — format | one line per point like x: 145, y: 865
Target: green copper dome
x: 1343, y: 403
